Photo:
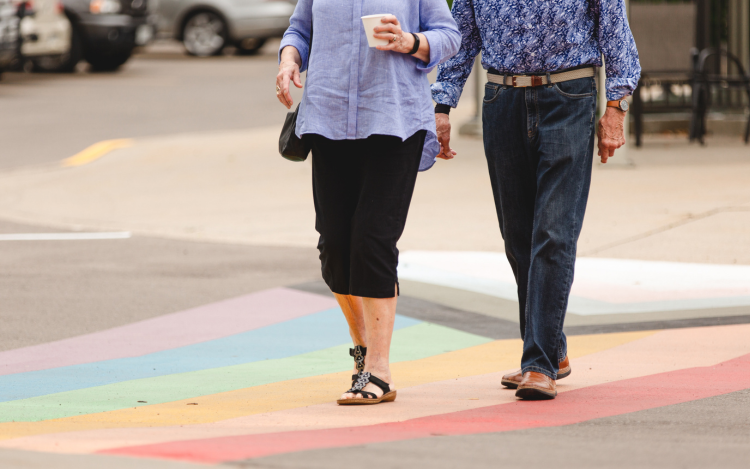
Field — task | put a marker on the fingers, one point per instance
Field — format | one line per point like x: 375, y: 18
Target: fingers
x: 446, y: 155
x: 446, y: 152
x: 285, y: 95
x: 386, y: 28
x: 297, y: 79
x: 607, y: 149
x: 389, y: 46
x: 603, y: 154
x: 389, y: 19
x: 387, y: 32
x: 279, y: 96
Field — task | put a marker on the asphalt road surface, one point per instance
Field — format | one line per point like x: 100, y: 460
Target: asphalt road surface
x: 161, y: 91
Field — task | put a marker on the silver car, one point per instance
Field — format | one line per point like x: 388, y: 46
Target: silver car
x: 9, y: 35
x: 205, y: 27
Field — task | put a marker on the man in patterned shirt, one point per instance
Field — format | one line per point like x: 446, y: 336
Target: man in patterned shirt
x: 539, y: 125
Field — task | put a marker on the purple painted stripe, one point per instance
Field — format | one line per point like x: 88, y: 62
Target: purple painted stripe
x: 173, y: 330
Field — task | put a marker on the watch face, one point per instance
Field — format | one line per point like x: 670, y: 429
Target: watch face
x: 624, y: 105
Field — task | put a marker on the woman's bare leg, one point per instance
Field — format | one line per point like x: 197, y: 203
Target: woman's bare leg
x: 379, y: 316
x: 354, y: 314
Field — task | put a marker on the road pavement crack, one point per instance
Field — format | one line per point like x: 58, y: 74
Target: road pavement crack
x: 689, y: 218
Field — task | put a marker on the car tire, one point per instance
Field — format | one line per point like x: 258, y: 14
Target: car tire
x: 249, y: 46
x: 65, y: 63
x: 109, y: 62
x: 204, y: 34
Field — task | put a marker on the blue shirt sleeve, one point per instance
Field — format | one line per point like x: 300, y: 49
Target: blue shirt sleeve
x: 616, y: 42
x: 299, y: 31
x: 453, y: 73
x: 441, y: 31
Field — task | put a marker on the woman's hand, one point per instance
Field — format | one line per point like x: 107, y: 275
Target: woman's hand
x: 288, y: 71
x: 400, y: 41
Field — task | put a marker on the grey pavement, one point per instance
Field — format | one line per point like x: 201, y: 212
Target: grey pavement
x: 16, y: 459
x: 48, y: 117
x: 58, y: 289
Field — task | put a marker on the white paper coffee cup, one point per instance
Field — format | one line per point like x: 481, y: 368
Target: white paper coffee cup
x: 370, y: 22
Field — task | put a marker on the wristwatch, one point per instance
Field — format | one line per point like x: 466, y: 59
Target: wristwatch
x: 621, y: 105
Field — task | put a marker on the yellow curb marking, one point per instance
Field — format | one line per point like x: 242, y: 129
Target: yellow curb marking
x: 96, y: 151
x: 478, y: 360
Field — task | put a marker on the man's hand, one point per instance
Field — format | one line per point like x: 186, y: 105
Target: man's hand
x: 611, y: 132
x: 443, y: 124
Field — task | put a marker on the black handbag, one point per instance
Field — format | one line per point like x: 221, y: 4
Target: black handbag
x: 291, y: 147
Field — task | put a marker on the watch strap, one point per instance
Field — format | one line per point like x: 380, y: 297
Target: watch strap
x: 416, y: 44
x: 615, y: 104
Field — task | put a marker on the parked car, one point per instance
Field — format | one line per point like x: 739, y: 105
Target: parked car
x: 45, y: 33
x: 104, y: 33
x: 8, y: 34
x: 205, y: 27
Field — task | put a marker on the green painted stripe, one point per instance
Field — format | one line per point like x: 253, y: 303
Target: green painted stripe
x: 411, y: 343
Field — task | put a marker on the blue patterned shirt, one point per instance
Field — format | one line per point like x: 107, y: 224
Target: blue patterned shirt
x: 537, y: 36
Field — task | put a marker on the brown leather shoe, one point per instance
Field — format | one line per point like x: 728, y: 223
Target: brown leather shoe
x: 564, y: 368
x: 512, y: 380
x: 536, y: 386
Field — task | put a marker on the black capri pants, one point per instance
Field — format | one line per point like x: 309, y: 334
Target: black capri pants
x: 362, y: 190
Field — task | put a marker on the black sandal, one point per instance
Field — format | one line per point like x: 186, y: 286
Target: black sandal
x: 368, y: 397
x: 358, y: 352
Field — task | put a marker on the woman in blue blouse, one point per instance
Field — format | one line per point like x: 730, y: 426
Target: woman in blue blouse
x: 367, y: 115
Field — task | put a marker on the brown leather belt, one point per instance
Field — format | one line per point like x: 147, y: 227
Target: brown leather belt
x: 525, y: 81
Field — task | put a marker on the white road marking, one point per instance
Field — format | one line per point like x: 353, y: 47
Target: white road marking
x: 601, y: 286
x: 64, y: 236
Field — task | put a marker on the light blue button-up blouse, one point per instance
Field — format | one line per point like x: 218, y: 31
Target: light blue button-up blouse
x: 353, y: 91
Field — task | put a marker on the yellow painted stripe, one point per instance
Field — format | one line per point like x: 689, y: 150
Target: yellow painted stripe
x: 96, y: 151
x: 482, y: 359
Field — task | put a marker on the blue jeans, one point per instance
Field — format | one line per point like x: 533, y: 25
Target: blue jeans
x: 539, y: 144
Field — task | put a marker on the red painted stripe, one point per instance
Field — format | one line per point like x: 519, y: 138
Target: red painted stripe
x: 571, y: 407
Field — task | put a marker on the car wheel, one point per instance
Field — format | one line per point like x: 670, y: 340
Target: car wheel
x: 249, y: 46
x: 64, y: 63
x: 109, y: 62
x: 204, y: 34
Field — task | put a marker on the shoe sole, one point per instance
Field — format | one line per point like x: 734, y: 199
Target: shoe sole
x: 564, y: 373
x: 387, y: 397
x: 534, y: 394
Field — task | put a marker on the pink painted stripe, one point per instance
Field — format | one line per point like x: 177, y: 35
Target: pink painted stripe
x: 605, y: 400
x: 200, y: 324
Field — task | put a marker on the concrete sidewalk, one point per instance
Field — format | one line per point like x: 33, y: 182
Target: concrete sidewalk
x: 680, y: 202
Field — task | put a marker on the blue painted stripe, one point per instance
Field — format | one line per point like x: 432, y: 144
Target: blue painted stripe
x: 297, y: 336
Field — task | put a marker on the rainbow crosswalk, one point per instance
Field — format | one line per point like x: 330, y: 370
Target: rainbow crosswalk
x: 258, y: 375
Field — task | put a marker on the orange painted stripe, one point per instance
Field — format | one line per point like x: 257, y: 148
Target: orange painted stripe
x: 576, y: 406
